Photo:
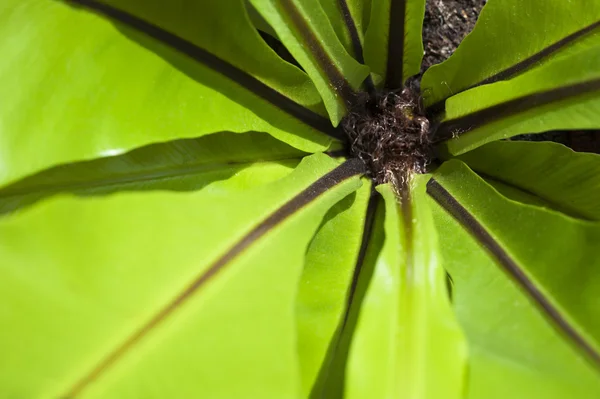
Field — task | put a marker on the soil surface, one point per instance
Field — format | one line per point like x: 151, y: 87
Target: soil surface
x: 446, y: 24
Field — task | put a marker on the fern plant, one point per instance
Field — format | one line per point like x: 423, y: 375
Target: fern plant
x: 190, y: 212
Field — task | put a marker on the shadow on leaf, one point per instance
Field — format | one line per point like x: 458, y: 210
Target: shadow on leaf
x: 181, y: 165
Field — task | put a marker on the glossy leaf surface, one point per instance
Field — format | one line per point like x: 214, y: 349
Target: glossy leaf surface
x: 394, y: 39
x: 104, y: 91
x: 97, y: 282
x: 350, y: 19
x: 241, y: 47
x: 182, y: 165
x: 556, y: 96
x: 563, y: 179
x: 326, y: 279
x: 304, y: 29
x: 334, y: 372
x: 406, y: 336
x: 507, y: 34
x: 194, y: 261
x: 514, y: 350
x: 549, y: 255
x: 336, y: 17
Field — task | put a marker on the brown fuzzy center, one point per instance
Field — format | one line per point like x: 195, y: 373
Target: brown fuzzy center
x: 390, y: 134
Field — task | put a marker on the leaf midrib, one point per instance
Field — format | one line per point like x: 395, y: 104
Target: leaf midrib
x: 336, y: 78
x: 494, y: 113
x: 215, y: 63
x: 335, y: 177
x: 525, y: 64
x: 357, y: 45
x: 395, y: 49
x: 504, y: 259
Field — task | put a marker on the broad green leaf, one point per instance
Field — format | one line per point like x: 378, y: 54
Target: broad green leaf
x: 516, y: 352
x: 207, y: 25
x: 565, y: 180
x: 554, y: 256
x: 339, y: 12
x: 511, y: 34
x: 332, y: 376
x: 258, y: 21
x: 400, y: 21
x: 104, y: 90
x: 326, y: 278
x: 406, y: 336
x: 171, y: 285
x: 182, y: 165
x: 304, y: 29
x: 335, y: 17
x: 556, y: 96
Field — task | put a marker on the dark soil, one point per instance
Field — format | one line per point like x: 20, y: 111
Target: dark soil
x: 577, y: 140
x: 446, y: 24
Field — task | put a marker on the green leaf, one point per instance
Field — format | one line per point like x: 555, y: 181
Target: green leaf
x: 393, y: 41
x: 406, y: 336
x: 555, y: 96
x: 516, y: 349
x: 340, y: 11
x: 258, y: 21
x: 335, y: 16
x: 164, y: 291
x: 303, y: 28
x: 326, y: 278
x: 554, y: 252
x: 564, y: 180
x: 511, y: 36
x: 109, y: 89
x: 241, y: 47
x: 182, y: 165
x: 331, y: 380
